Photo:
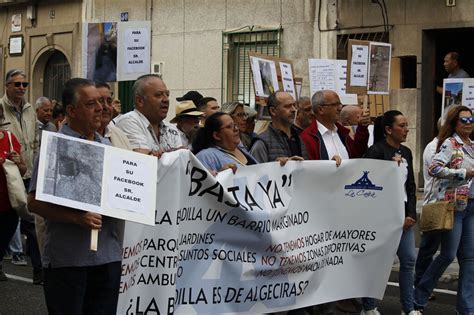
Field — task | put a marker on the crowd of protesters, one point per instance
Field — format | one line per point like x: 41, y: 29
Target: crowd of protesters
x: 80, y: 281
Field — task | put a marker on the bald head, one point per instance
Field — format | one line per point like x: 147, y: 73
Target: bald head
x: 350, y: 115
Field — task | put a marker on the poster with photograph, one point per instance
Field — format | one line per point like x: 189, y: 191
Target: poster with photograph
x: 264, y: 76
x: 379, y: 68
x: 457, y: 92
x: 101, y: 51
x: 93, y: 177
x: 330, y: 74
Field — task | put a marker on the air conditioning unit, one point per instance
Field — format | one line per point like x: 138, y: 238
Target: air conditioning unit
x: 157, y: 68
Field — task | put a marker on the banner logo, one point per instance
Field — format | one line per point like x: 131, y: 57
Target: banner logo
x: 362, y: 187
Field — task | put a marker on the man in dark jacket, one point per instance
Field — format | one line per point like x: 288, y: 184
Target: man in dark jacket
x: 280, y: 140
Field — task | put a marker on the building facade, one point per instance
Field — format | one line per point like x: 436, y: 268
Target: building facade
x: 203, y: 44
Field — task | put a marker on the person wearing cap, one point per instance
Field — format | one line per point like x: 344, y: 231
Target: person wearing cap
x: 187, y: 121
x: 280, y: 140
x: 208, y: 106
x: 193, y: 96
x: 237, y: 112
x: 145, y: 126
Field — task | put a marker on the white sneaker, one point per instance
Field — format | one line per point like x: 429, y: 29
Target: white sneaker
x: 375, y: 311
x: 414, y: 312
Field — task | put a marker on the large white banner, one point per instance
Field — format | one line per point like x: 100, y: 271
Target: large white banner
x: 265, y: 239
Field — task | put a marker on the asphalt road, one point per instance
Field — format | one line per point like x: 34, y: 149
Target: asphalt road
x: 18, y: 296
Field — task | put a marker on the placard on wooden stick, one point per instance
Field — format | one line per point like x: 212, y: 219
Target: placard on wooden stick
x: 271, y: 74
x: 357, y: 66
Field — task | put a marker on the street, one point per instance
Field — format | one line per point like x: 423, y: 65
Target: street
x: 20, y: 296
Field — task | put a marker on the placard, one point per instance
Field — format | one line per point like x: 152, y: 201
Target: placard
x: 357, y: 66
x: 379, y: 68
x: 330, y: 74
x: 457, y: 92
x: 93, y: 177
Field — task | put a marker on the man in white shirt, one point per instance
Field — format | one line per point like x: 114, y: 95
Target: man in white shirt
x: 145, y: 126
x: 326, y: 138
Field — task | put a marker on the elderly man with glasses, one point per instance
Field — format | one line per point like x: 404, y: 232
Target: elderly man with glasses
x: 20, y: 119
x: 326, y: 138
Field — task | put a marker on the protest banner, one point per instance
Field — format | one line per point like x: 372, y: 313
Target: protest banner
x: 357, y: 66
x: 457, y: 92
x: 264, y: 239
x: 98, y: 178
x: 116, y: 51
x: 379, y: 68
x: 330, y: 74
x: 271, y: 74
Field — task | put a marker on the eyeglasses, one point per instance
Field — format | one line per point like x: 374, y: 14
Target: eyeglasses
x: 241, y: 115
x: 18, y: 84
x: 336, y: 104
x: 232, y: 126
x: 465, y: 120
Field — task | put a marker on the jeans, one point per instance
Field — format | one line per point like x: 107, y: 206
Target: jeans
x: 16, y: 245
x: 430, y: 242
x: 406, y: 254
x: 465, y: 300
x: 449, y: 246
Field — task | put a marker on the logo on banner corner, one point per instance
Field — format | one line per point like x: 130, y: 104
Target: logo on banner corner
x: 362, y: 187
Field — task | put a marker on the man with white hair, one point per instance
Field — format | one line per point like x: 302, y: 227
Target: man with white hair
x: 44, y: 112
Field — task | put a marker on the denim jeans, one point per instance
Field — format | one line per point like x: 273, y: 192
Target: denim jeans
x: 16, y: 246
x: 449, y: 246
x: 465, y: 301
x: 430, y: 242
x: 406, y: 254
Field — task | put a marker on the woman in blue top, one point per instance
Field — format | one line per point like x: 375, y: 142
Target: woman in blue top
x: 217, y: 144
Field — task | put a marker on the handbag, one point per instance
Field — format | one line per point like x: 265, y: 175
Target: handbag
x: 437, y: 216
x: 15, y: 186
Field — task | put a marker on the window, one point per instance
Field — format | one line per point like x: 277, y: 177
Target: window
x: 237, y: 84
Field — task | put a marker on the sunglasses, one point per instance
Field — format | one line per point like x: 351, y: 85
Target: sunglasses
x: 18, y: 84
x: 465, y: 120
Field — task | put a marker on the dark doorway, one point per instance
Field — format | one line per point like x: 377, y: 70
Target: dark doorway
x: 435, y: 45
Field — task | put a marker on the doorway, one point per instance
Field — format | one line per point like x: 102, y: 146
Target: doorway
x: 435, y: 45
x: 56, y: 72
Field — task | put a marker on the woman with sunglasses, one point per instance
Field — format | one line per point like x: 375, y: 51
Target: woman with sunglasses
x: 390, y: 131
x: 454, y: 165
x: 217, y: 144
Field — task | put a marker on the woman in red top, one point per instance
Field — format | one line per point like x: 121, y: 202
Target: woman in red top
x: 8, y: 216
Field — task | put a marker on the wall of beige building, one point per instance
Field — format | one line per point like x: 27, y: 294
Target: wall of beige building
x: 56, y: 27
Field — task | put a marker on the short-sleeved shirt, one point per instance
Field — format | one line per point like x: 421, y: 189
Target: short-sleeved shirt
x: 4, y: 149
x: 67, y: 244
x: 141, y: 135
x: 460, y: 74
